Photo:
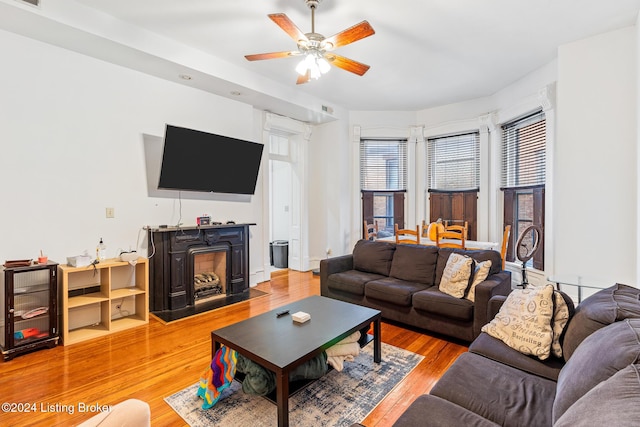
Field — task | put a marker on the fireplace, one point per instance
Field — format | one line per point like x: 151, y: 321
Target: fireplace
x: 194, y: 267
x: 208, y: 273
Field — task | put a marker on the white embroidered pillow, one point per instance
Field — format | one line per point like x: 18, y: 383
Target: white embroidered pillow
x: 524, y: 321
x: 456, y: 275
x: 560, y: 319
x: 481, y: 273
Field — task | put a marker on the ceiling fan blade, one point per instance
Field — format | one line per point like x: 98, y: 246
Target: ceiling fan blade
x: 289, y: 27
x: 304, y: 79
x: 350, y: 35
x: 347, y: 64
x: 271, y: 55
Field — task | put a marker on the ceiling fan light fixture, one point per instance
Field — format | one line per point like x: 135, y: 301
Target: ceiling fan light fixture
x: 301, y: 68
x: 314, y: 64
x: 324, y: 66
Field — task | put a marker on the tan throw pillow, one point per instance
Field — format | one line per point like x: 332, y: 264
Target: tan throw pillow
x: 524, y: 321
x: 481, y: 273
x: 560, y: 319
x: 456, y: 275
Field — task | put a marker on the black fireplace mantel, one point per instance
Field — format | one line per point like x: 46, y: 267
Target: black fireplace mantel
x: 169, y: 279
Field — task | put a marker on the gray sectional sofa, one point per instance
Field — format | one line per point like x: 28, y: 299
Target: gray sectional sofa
x: 402, y: 282
x: 596, y: 381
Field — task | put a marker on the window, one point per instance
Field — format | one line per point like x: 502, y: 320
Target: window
x: 453, y: 179
x: 523, y: 179
x: 383, y: 182
x: 453, y: 162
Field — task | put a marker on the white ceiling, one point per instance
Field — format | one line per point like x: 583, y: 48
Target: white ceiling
x: 424, y: 53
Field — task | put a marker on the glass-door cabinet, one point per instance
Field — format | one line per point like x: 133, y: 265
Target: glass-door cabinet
x: 29, y: 308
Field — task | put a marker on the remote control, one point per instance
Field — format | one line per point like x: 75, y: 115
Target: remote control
x: 282, y: 313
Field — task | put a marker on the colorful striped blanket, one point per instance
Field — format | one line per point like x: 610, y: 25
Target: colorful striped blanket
x: 218, y: 376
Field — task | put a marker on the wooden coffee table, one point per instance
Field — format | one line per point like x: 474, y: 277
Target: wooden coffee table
x: 280, y: 344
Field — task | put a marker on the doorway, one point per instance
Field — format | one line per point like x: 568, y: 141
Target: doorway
x: 280, y: 179
x: 286, y: 208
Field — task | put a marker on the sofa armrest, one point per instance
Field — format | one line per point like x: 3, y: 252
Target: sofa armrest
x: 433, y: 411
x: 496, y: 284
x: 494, y: 305
x: 333, y: 265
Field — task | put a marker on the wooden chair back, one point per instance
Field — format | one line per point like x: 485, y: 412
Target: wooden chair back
x: 405, y: 235
x: 462, y: 229
x: 453, y: 239
x: 370, y: 231
x: 425, y: 229
x: 505, y: 243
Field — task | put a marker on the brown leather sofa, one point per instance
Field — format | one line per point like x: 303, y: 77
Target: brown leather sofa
x: 402, y: 282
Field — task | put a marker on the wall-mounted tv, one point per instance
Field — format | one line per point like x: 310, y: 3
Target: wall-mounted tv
x: 199, y: 161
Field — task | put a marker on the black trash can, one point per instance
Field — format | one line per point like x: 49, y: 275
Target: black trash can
x: 279, y: 253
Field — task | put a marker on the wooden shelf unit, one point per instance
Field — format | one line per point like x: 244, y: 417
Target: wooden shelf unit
x: 97, y: 301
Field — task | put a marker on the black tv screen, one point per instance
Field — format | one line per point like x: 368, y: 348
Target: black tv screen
x: 199, y: 161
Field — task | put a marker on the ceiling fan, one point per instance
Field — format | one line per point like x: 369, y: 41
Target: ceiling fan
x: 316, y: 49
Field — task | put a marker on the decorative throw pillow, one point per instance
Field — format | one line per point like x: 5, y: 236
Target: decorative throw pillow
x: 456, y: 275
x: 560, y: 319
x: 481, y: 273
x: 524, y: 321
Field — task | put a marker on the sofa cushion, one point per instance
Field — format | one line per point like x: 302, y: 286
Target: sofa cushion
x: 415, y: 263
x: 456, y: 276
x: 524, y: 321
x: 433, y: 301
x: 619, y: 396
x: 479, y: 275
x: 609, y: 305
x: 497, y: 392
x: 440, y: 413
x: 600, y: 355
x: 392, y: 290
x: 477, y: 255
x: 351, y: 281
x: 373, y: 256
x: 488, y: 346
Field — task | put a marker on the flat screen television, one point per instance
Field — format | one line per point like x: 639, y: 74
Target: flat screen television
x: 199, y: 161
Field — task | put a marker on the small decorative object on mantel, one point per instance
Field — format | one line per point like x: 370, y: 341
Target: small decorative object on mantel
x: 17, y: 263
x: 203, y: 220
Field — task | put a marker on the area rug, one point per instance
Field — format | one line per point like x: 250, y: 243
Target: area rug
x: 337, y: 399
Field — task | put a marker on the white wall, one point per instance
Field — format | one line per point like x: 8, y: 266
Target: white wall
x: 596, y: 158
x: 72, y: 144
x: 330, y: 197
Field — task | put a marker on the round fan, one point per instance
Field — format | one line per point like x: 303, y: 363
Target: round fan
x: 315, y: 48
x: 528, y: 244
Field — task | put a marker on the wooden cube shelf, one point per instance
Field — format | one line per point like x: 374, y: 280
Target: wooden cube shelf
x: 108, y: 297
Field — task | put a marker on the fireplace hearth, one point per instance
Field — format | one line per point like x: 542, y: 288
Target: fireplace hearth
x: 194, y: 268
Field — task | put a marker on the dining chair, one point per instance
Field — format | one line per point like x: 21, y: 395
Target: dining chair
x: 462, y: 229
x: 505, y: 243
x: 453, y: 239
x: 370, y: 231
x: 405, y: 235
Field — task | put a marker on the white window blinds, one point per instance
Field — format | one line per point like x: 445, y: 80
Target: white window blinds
x: 383, y: 165
x: 524, y: 151
x: 453, y: 162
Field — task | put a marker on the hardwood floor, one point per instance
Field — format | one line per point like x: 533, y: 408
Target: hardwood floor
x: 154, y: 361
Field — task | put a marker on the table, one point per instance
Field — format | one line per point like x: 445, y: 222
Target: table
x: 280, y: 344
x: 470, y: 244
x: 579, y: 282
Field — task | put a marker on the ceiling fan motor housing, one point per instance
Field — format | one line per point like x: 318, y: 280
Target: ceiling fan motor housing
x: 312, y: 3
